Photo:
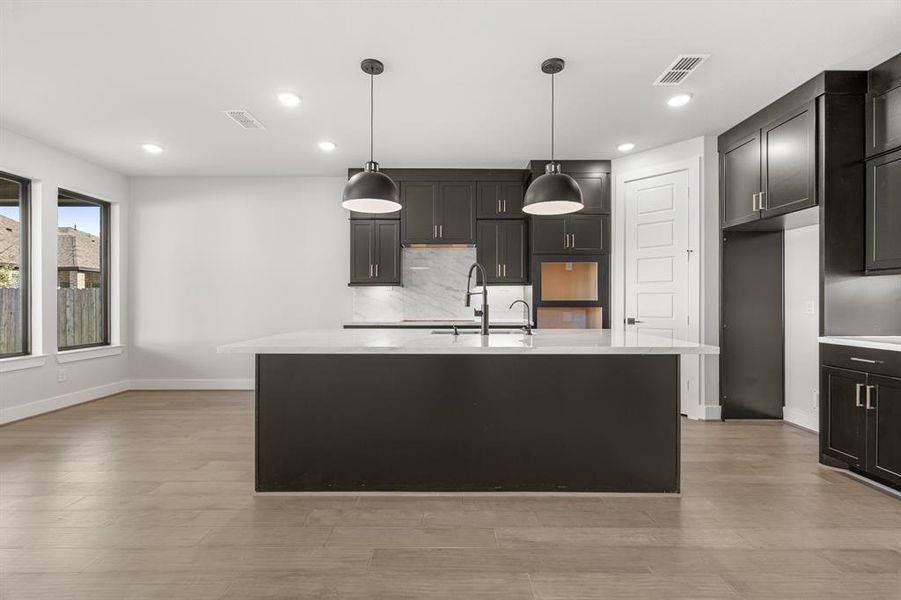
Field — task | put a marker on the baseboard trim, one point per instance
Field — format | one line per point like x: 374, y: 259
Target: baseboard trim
x: 40, y: 407
x: 192, y: 384
x: 712, y: 413
x: 801, y: 419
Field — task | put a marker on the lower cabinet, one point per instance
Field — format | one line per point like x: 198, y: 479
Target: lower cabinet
x: 860, y: 419
x: 374, y: 252
x: 501, y: 248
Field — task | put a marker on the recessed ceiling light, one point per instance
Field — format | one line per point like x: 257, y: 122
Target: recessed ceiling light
x: 327, y: 146
x: 680, y: 100
x: 625, y: 147
x: 152, y: 148
x: 289, y: 99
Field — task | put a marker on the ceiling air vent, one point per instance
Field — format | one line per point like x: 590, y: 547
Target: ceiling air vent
x: 244, y: 119
x: 682, y: 67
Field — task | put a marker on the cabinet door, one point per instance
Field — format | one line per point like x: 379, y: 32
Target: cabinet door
x: 884, y: 120
x: 386, y: 252
x: 511, y: 197
x: 514, y: 264
x: 488, y: 249
x: 456, y: 213
x: 361, y: 251
x: 788, y: 171
x: 883, y: 424
x: 549, y: 235
x: 586, y: 234
x: 417, y: 215
x: 489, y: 200
x: 740, y: 181
x: 842, y: 415
x: 595, y: 194
x: 884, y: 212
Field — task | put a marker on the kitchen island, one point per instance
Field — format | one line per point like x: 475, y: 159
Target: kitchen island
x: 413, y: 410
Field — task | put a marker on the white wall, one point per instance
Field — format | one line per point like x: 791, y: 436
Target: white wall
x: 31, y: 391
x: 703, y: 150
x: 801, y: 298
x: 224, y: 259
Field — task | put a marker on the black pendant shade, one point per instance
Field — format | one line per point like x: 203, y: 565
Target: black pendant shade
x: 371, y: 191
x: 553, y: 193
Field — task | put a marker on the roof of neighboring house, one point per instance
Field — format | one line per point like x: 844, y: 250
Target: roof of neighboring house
x: 75, y: 250
x: 9, y: 242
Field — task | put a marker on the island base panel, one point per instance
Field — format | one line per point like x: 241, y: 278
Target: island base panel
x: 383, y: 422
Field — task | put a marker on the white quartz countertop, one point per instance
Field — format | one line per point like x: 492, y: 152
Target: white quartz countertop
x: 425, y: 324
x: 877, y: 342
x: 423, y: 341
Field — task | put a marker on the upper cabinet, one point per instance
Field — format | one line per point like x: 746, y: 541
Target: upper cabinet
x: 570, y: 234
x: 500, y: 200
x: 772, y: 170
x: 502, y: 250
x: 883, y: 108
x: 884, y: 213
x: 593, y: 177
x: 438, y: 212
x: 374, y: 252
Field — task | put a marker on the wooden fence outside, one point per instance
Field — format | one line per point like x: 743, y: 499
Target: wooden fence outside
x: 79, y: 317
x: 10, y: 320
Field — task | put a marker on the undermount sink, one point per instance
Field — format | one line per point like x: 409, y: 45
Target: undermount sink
x: 476, y: 332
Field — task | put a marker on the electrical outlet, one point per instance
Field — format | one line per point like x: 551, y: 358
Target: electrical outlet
x: 62, y: 374
x: 810, y: 307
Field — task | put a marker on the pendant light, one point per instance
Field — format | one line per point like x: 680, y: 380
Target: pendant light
x: 371, y: 191
x: 553, y: 193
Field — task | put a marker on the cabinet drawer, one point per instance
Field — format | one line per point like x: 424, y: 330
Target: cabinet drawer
x: 868, y: 360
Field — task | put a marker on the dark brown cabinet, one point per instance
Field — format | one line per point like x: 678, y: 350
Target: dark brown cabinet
x: 788, y: 162
x: 883, y: 237
x: 595, y: 193
x: 500, y: 200
x: 501, y: 248
x: 843, y: 421
x: 860, y: 415
x: 770, y: 171
x: 883, y: 107
x: 740, y: 180
x: 375, y: 252
x: 438, y: 212
x: 569, y: 234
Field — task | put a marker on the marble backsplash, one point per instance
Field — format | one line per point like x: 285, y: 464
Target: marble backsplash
x: 434, y: 286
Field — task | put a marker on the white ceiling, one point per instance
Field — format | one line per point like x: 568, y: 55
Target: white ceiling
x: 462, y: 86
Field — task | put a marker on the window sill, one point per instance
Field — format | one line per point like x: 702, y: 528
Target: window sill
x: 20, y: 363
x: 68, y: 356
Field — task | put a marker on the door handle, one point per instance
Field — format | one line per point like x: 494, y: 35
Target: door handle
x: 632, y: 321
x: 870, y: 389
x: 857, y: 402
x: 753, y: 202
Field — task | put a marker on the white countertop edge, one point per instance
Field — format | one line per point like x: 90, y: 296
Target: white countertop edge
x: 559, y: 351
x: 862, y: 342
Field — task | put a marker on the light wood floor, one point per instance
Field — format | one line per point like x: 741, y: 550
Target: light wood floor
x: 149, y: 495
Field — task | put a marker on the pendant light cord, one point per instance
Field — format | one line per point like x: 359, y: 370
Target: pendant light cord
x: 371, y: 113
x: 552, y: 117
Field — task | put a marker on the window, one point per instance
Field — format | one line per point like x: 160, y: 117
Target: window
x: 14, y: 277
x: 82, y: 253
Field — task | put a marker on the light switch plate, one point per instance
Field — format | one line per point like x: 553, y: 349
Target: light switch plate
x: 810, y: 307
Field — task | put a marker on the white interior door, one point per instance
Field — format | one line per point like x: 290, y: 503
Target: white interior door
x: 657, y: 255
x: 658, y: 291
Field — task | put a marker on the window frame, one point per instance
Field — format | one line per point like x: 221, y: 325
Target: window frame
x: 24, y: 262
x: 105, y: 257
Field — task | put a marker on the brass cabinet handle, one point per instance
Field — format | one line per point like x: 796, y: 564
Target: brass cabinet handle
x: 505, y: 205
x: 370, y: 270
x: 753, y: 202
x: 498, y: 205
x: 497, y: 270
x: 505, y: 269
x: 870, y: 389
x: 573, y: 242
x: 761, y: 201
x: 435, y: 231
x: 376, y: 270
x: 565, y: 240
x: 857, y: 402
